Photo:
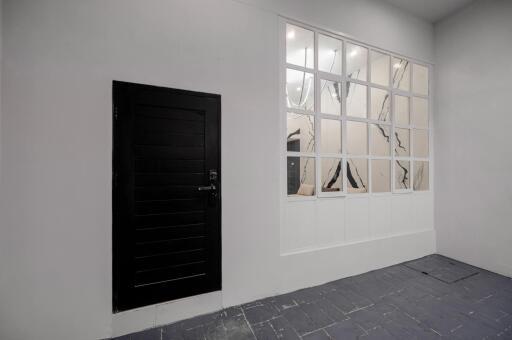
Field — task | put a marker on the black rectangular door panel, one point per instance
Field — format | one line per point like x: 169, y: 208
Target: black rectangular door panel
x: 166, y: 194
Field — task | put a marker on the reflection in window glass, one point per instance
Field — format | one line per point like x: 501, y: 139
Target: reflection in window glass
x: 300, y: 46
x: 329, y: 54
x: 402, y: 174
x: 402, y: 142
x: 300, y: 133
x: 381, y: 175
x: 301, y: 176
x: 401, y: 74
x: 357, y: 175
x: 420, y: 143
x: 420, y: 180
x: 331, y: 174
x: 356, y: 100
x: 420, y: 112
x: 300, y: 91
x: 380, y: 68
x: 420, y: 79
x: 401, y: 110
x: 330, y: 97
x: 357, y: 138
x: 356, y: 61
x: 380, y: 140
x: 380, y: 105
x: 330, y: 136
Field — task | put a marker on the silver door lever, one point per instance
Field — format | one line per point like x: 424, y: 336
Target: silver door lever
x: 208, y: 188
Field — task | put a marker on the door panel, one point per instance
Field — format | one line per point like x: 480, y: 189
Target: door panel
x: 166, y: 194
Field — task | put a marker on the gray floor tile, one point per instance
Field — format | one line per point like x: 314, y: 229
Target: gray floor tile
x: 396, y: 302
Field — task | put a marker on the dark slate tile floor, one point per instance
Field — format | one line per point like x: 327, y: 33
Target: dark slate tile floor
x: 399, y: 302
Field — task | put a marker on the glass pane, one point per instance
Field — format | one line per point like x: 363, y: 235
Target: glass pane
x: 356, y: 100
x: 330, y: 136
x: 381, y: 175
x: 329, y: 54
x: 420, y: 143
x: 402, y: 142
x: 300, y: 46
x: 300, y: 132
x: 380, y: 105
x: 402, y: 110
x: 357, y: 175
x: 401, y: 74
x: 331, y: 175
x: 380, y: 68
x: 420, y: 79
x: 356, y: 59
x: 420, y: 180
x: 357, y: 138
x: 420, y: 112
x: 330, y: 97
x: 402, y: 174
x: 301, y: 176
x: 300, y: 90
x: 380, y: 139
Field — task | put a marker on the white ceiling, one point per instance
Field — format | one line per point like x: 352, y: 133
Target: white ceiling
x: 431, y: 10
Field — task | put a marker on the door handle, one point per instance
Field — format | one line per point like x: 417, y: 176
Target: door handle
x: 212, y: 175
x: 208, y: 188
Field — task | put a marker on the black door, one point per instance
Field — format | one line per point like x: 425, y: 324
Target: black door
x: 166, y: 194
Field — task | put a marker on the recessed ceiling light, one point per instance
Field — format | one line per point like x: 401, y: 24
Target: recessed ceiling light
x: 290, y: 34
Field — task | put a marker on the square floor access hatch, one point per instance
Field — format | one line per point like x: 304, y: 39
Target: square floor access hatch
x: 442, y: 268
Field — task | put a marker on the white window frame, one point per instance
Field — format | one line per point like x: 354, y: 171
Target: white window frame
x: 343, y: 118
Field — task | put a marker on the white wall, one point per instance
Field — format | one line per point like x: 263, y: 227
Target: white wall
x: 60, y: 58
x: 473, y: 121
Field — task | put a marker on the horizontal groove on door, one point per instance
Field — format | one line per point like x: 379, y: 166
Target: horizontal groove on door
x: 170, y: 273
x: 150, y: 125
x: 167, y: 112
x: 168, y: 165
x: 173, y: 258
x: 169, y: 152
x: 166, y: 192
x: 163, y: 233
x: 162, y: 247
x: 169, y: 219
x: 187, y: 278
x: 167, y: 206
x: 146, y: 179
x: 165, y: 138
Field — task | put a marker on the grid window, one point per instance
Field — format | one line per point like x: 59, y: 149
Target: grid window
x: 402, y: 174
x: 401, y: 74
x: 301, y: 175
x: 330, y: 53
x: 300, y: 90
x: 380, y: 68
x: 357, y: 118
x: 380, y: 105
x: 356, y: 100
x: 381, y: 175
x: 332, y: 175
x: 330, y: 136
x: 357, y: 175
x: 300, y: 133
x: 330, y: 97
x: 357, y: 62
x: 300, y: 49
